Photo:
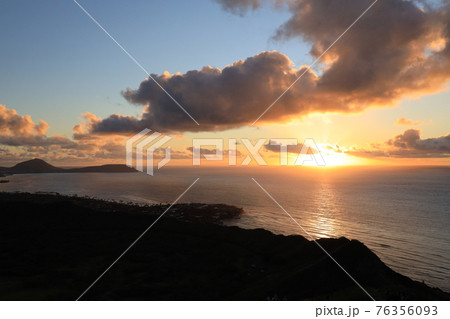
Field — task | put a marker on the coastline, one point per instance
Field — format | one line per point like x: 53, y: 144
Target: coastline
x: 55, y: 246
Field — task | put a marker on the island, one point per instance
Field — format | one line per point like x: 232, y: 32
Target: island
x: 37, y: 166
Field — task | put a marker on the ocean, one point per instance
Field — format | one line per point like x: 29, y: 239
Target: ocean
x: 401, y: 213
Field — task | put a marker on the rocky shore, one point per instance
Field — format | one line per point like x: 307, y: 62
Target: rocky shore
x: 54, y: 247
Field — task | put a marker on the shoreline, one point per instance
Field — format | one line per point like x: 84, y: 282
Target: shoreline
x: 56, y: 245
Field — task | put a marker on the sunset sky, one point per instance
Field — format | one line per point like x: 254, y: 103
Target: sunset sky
x: 380, y: 95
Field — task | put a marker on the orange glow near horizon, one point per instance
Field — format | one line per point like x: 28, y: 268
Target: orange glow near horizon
x: 339, y: 159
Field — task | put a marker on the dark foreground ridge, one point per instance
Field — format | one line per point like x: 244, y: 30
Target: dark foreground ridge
x: 54, y: 247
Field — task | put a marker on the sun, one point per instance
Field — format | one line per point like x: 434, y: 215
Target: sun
x: 333, y: 158
x: 330, y: 157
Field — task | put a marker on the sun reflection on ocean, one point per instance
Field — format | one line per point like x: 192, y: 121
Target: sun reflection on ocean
x: 324, y: 222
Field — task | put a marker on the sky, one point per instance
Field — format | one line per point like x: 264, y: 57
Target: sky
x: 380, y: 95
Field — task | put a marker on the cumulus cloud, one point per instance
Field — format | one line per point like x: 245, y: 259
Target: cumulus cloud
x: 21, y: 130
x: 21, y: 138
x: 220, y: 98
x: 411, y: 139
x: 397, y: 49
x: 13, y: 124
x: 407, y: 122
x: 409, y: 144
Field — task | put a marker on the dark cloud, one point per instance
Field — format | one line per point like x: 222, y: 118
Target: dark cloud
x: 203, y: 151
x: 296, y: 149
x: 119, y: 124
x: 409, y: 144
x: 239, y: 7
x: 219, y: 99
x: 379, y: 60
x: 208, y: 151
x: 397, y: 49
x: 410, y: 139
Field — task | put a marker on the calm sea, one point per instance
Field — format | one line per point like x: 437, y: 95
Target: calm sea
x: 403, y: 214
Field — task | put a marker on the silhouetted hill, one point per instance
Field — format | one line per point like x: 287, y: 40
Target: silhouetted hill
x: 40, y: 166
x: 34, y: 166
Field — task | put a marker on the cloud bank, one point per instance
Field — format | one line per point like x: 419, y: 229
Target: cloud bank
x: 409, y: 144
x: 18, y: 130
x: 21, y: 139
